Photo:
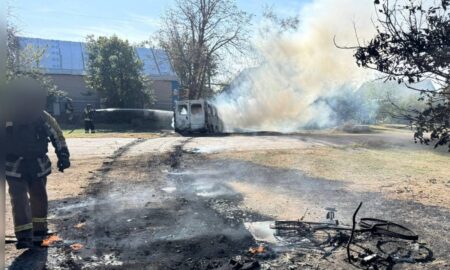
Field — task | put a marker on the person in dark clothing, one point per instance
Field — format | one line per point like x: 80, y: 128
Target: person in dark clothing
x: 89, y: 119
x: 68, y: 109
x: 28, y: 131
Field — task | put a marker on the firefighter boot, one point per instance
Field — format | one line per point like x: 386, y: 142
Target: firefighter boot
x: 24, y: 239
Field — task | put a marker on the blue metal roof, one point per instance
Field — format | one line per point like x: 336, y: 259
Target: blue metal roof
x: 68, y: 57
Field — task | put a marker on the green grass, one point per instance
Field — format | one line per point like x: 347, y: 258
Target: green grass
x: 109, y: 130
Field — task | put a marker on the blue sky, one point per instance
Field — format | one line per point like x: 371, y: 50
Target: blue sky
x: 135, y: 20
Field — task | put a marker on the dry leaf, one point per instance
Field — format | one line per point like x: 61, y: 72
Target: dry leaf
x: 80, y: 225
x: 76, y: 246
x: 257, y: 250
x: 52, y: 239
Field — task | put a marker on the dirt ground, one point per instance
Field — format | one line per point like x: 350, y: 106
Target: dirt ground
x: 172, y: 202
x: 87, y: 156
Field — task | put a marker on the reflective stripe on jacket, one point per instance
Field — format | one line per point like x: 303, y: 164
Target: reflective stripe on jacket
x: 88, y: 114
x: 37, y: 164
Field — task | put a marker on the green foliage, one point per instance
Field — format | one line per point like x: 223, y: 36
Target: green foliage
x: 390, y: 100
x: 413, y: 44
x: 116, y: 73
x: 26, y: 62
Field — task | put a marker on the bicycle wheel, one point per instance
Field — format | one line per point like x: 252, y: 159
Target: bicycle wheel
x: 388, y: 228
x: 402, y: 251
x: 301, y: 234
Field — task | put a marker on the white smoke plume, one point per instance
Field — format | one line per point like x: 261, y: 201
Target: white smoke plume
x: 298, y: 69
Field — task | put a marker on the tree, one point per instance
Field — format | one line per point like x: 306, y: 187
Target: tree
x: 276, y: 23
x: 198, y: 35
x: 413, y: 44
x: 117, y: 74
x: 26, y: 62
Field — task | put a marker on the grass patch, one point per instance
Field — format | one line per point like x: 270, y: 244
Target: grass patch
x: 390, y: 127
x: 352, y: 163
x: 391, y: 170
x: 110, y: 131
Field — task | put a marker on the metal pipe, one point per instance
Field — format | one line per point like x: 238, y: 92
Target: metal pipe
x: 353, y: 232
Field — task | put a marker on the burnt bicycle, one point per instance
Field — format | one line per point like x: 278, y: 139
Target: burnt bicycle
x: 370, y: 227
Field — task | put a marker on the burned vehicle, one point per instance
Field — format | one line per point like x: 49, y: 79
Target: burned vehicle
x: 196, y: 116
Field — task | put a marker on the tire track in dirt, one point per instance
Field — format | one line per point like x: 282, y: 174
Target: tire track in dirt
x: 63, y: 256
x: 60, y: 256
x: 138, y: 225
x: 99, y: 193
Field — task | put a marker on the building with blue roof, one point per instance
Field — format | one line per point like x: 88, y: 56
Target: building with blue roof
x: 65, y: 62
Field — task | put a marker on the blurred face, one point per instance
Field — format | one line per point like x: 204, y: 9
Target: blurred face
x: 27, y: 100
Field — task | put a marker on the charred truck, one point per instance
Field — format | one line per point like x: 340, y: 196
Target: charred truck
x: 196, y: 116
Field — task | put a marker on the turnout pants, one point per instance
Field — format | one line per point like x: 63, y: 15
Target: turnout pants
x: 89, y: 126
x: 29, y: 205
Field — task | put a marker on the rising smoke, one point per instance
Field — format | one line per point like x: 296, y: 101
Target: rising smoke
x: 298, y: 69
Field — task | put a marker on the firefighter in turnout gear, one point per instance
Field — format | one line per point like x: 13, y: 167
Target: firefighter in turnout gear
x: 29, y: 129
x: 68, y: 106
x: 89, y: 119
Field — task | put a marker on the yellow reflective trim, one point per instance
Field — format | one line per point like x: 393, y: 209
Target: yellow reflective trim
x: 25, y: 227
x: 12, y: 174
x: 15, y: 167
x: 55, y: 131
x: 39, y: 220
x: 49, y: 170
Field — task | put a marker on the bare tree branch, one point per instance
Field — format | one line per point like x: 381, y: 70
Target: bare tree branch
x: 198, y: 34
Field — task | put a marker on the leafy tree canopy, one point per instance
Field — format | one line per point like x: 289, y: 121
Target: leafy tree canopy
x: 413, y: 44
x: 116, y: 73
x: 26, y: 62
